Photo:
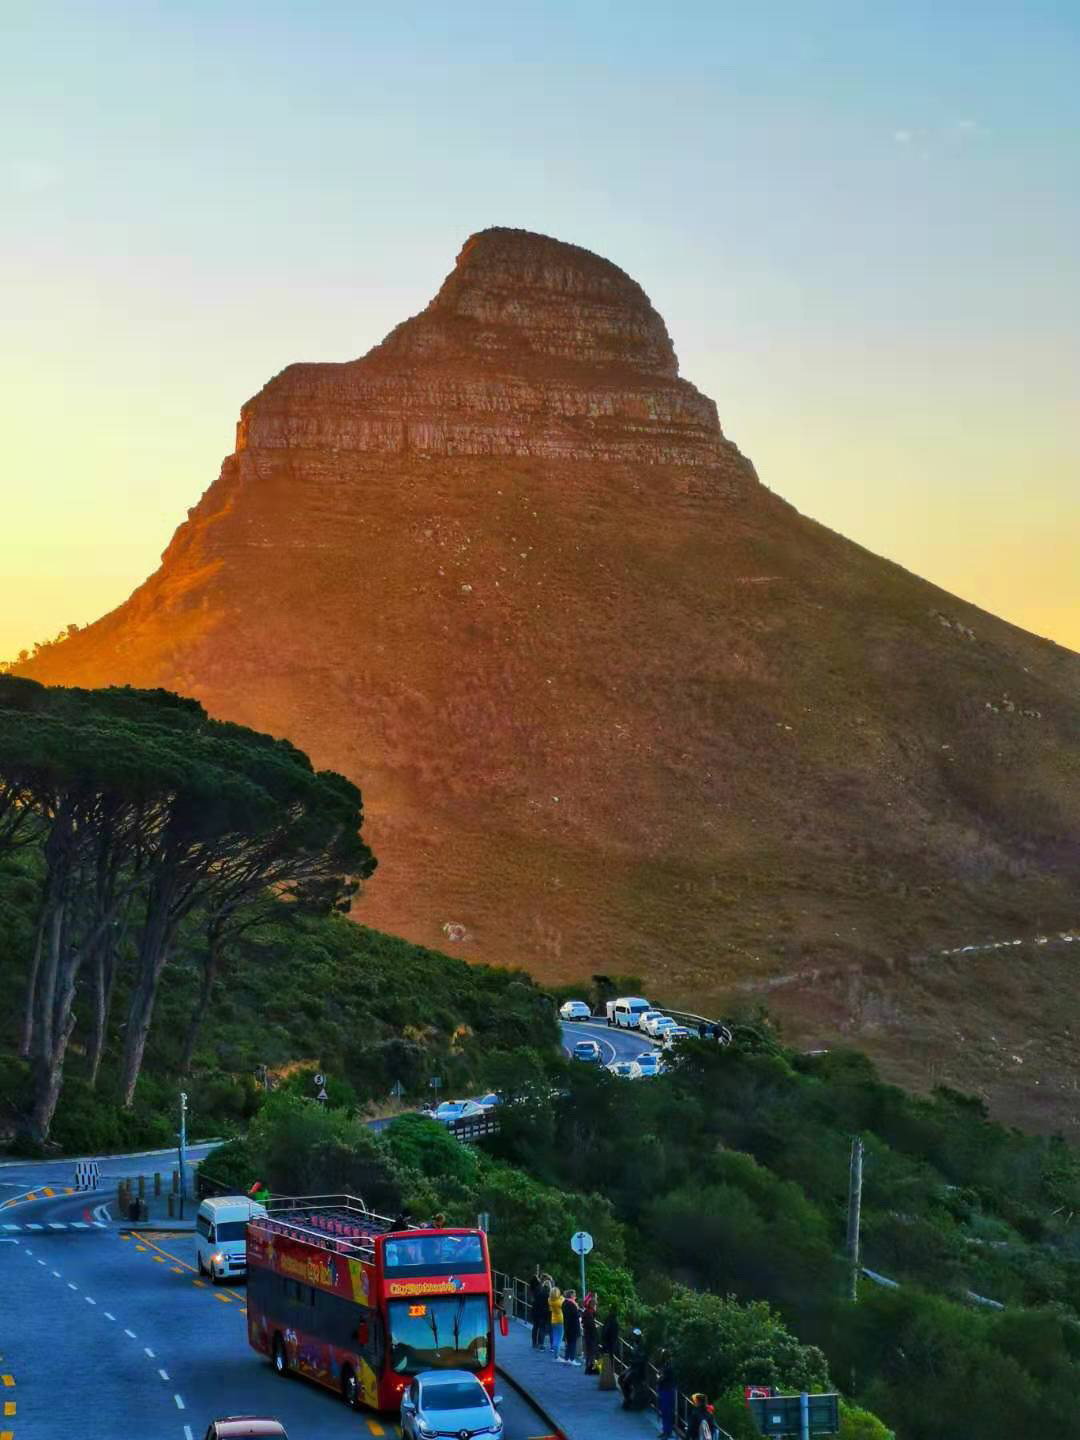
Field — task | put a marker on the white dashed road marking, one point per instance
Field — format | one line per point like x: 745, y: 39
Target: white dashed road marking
x: 89, y: 1300
x: 55, y: 1225
x: 79, y: 1225
x: 179, y: 1402
x: 31, y: 1226
x: 108, y: 1316
x: 164, y: 1374
x: 187, y: 1433
x: 72, y: 1285
x: 149, y: 1351
x: 57, y: 1274
x: 131, y: 1333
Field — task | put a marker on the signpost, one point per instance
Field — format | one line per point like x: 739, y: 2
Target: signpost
x: 183, y: 1148
x: 581, y: 1242
x: 397, y: 1089
x: 802, y: 1415
x: 319, y: 1081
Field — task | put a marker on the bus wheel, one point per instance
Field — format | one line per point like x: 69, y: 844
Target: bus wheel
x: 350, y: 1390
x: 281, y: 1359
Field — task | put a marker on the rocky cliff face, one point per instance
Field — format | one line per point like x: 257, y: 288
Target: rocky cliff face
x: 614, y: 706
x: 531, y: 348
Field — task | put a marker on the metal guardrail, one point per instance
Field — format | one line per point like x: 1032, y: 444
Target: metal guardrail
x: 513, y: 1294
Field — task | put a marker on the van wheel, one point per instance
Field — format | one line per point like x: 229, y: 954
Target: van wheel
x: 350, y: 1390
x: 281, y: 1358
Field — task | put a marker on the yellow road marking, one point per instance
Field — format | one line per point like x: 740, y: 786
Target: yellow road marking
x: 225, y: 1299
x: 124, y: 1236
x: 69, y: 1189
x: 9, y: 1407
x: 140, y: 1247
x: 176, y: 1270
x: 200, y: 1283
x: 375, y: 1427
x: 160, y: 1259
x: 168, y: 1255
x: 9, y: 1380
x: 7, y: 1434
x: 46, y: 1191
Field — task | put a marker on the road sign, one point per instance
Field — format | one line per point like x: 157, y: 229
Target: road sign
x: 783, y: 1414
x: 435, y: 1081
x: 323, y: 1096
x: 320, y: 1080
x: 397, y: 1090
x: 581, y: 1242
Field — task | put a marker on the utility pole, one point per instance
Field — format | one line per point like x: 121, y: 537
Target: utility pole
x: 854, y: 1216
x: 183, y: 1148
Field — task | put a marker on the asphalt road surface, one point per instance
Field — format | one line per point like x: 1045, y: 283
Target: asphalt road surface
x: 104, y: 1335
x: 19, y: 1176
x: 614, y: 1044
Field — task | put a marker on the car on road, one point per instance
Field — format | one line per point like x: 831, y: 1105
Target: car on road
x: 649, y: 1063
x: 625, y: 1069
x: 221, y: 1235
x: 674, y: 1034
x: 587, y: 1050
x: 574, y: 1010
x: 649, y: 1017
x: 657, y: 1025
x: 627, y: 1011
x: 448, y: 1402
x: 451, y: 1110
x: 239, y: 1427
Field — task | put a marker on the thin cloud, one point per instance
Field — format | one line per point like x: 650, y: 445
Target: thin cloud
x: 32, y: 176
x: 903, y: 137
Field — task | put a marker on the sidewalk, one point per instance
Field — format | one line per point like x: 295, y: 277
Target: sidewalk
x: 570, y: 1399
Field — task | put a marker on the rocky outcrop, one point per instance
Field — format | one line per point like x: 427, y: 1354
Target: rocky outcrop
x: 531, y: 348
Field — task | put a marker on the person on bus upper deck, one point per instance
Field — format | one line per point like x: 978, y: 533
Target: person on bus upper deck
x: 571, y: 1326
x: 555, y: 1300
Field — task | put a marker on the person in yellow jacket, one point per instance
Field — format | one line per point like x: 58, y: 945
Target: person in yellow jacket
x: 555, y: 1300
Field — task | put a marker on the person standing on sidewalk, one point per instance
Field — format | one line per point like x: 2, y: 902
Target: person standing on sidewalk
x: 590, y: 1334
x: 667, y: 1393
x: 609, y: 1348
x: 555, y: 1301
x: 571, y: 1326
x: 538, y: 1310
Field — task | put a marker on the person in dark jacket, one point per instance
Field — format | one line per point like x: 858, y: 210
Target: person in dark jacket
x: 609, y: 1346
x: 571, y: 1326
x: 538, y: 1310
x: 699, y: 1422
x: 590, y: 1334
x: 667, y: 1394
x: 634, y: 1381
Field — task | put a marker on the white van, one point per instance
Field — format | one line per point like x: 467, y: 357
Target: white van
x: 627, y: 1011
x: 221, y: 1235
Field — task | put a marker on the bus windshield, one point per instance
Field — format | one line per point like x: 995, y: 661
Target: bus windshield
x: 451, y: 1334
x: 433, y: 1255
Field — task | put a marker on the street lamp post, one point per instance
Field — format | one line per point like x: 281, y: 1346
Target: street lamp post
x: 183, y: 1149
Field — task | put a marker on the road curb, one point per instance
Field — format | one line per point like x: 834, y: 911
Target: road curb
x: 154, y: 1227
x: 537, y: 1404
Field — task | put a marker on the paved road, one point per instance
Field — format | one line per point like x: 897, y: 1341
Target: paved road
x: 103, y: 1332
x: 18, y: 1176
x: 614, y: 1044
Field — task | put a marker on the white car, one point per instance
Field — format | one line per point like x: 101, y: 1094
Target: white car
x: 657, y: 1025
x: 625, y: 1069
x: 448, y: 1402
x: 574, y: 1010
x: 488, y: 1102
x: 451, y: 1110
x: 649, y: 1063
x: 649, y: 1018
x: 674, y: 1034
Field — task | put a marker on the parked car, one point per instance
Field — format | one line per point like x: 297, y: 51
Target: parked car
x: 587, y: 1050
x: 488, y: 1102
x: 451, y: 1110
x: 234, y: 1427
x: 649, y: 1063
x: 674, y: 1034
x: 574, y: 1010
x: 448, y: 1402
x: 657, y: 1025
x: 649, y: 1017
x: 625, y: 1069
x: 627, y: 1011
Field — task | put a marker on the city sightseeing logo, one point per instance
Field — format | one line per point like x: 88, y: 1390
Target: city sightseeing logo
x: 452, y: 1285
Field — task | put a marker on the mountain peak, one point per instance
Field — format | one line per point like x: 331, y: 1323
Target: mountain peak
x: 559, y: 299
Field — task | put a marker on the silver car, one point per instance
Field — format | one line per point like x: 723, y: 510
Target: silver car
x: 449, y: 1403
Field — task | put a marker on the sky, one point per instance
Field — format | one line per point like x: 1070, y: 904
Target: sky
x: 861, y: 223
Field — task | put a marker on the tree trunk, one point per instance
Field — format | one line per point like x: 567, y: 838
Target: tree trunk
x: 99, y: 1009
x: 202, y: 1004
x: 140, y: 1014
x: 26, y: 1044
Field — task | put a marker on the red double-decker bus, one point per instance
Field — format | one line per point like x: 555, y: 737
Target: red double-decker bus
x: 339, y: 1295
